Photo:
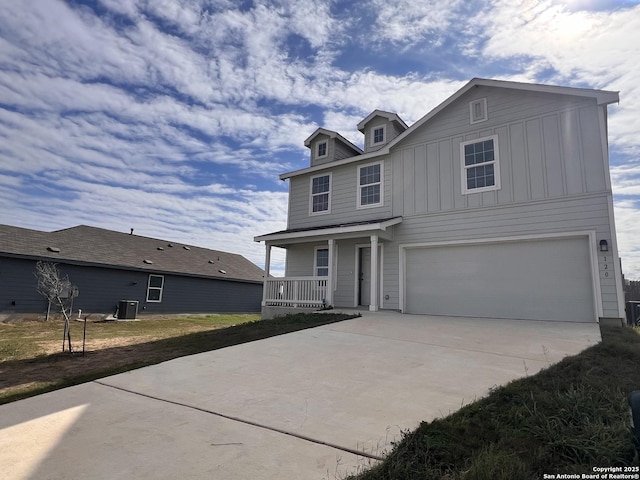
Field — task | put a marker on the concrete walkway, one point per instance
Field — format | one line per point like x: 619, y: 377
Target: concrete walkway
x: 315, y: 404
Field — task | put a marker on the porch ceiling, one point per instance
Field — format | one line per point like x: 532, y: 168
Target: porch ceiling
x: 381, y: 227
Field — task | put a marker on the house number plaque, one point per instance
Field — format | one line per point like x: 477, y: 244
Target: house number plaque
x: 605, y: 266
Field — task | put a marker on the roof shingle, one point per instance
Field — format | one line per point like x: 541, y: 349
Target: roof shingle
x: 99, y: 247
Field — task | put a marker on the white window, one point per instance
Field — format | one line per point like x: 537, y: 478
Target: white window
x: 320, y: 194
x: 370, y: 185
x: 480, y: 165
x: 154, y: 288
x: 478, y: 110
x: 322, y: 149
x: 378, y: 135
x: 321, y: 262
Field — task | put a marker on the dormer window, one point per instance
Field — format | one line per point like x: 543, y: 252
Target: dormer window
x: 322, y: 149
x: 378, y: 135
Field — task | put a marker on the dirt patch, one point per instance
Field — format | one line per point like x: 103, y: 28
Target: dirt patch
x: 53, y: 365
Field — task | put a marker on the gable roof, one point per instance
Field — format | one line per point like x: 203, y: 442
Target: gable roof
x: 392, y: 117
x: 602, y: 97
x: 84, y: 245
x: 332, y: 134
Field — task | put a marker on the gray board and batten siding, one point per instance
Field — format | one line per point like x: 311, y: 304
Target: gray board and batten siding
x: 553, y: 170
x: 543, y: 156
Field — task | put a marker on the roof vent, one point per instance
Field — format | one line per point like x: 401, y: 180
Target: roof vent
x: 53, y: 249
x: 169, y: 244
x: 211, y: 261
x: 185, y: 247
x: 223, y: 271
x: 148, y: 262
x: 160, y: 248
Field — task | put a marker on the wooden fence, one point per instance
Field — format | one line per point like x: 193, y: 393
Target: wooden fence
x: 632, y: 290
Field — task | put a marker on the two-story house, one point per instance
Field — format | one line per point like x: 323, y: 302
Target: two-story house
x: 496, y: 204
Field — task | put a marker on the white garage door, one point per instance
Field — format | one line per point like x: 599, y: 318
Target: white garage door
x: 546, y: 279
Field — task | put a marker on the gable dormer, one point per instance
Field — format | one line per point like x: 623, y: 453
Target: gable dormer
x: 380, y: 128
x: 327, y: 146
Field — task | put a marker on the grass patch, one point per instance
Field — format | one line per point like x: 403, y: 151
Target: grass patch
x: 31, y: 361
x: 566, y: 419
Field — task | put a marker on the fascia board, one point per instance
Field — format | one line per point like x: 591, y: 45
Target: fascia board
x: 274, y: 237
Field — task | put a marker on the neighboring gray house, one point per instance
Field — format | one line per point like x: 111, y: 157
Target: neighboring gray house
x: 108, y: 266
x: 497, y: 203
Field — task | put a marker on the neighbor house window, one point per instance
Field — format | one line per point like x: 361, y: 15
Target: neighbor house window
x: 370, y: 185
x: 154, y: 288
x: 322, y: 149
x: 321, y: 262
x: 480, y: 167
x: 378, y: 135
x: 321, y: 194
x: 478, y: 110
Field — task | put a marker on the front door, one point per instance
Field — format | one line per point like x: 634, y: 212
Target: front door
x: 364, y: 295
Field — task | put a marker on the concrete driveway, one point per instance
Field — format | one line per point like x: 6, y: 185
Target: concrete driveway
x: 315, y: 404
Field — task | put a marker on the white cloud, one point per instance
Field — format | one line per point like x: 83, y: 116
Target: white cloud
x: 597, y: 49
x: 164, y: 119
x: 408, y: 22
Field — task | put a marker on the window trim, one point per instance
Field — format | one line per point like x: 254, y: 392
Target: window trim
x: 160, y: 288
x: 381, y: 183
x: 373, y: 143
x: 326, y: 152
x: 472, y: 107
x: 495, y: 163
x: 311, y: 194
x: 315, y: 260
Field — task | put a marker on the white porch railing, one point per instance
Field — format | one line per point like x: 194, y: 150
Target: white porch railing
x: 296, y: 292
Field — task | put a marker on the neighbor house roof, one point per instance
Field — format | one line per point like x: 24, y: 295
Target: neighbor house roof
x: 602, y: 97
x: 84, y: 245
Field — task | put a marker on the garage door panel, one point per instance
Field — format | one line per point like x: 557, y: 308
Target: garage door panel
x: 545, y: 279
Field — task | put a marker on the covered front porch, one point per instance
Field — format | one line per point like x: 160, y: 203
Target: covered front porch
x: 327, y: 266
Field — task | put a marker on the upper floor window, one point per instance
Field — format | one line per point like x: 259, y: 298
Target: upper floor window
x: 478, y: 110
x: 480, y: 165
x: 154, y: 288
x: 320, y: 194
x: 321, y: 267
x: 370, y: 185
x: 322, y: 149
x: 378, y: 135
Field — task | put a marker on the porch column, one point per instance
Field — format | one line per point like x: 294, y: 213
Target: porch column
x: 267, y: 265
x: 331, y: 273
x: 375, y: 288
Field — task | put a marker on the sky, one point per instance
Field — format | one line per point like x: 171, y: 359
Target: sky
x: 175, y: 117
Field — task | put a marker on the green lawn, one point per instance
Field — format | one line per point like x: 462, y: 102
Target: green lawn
x: 31, y: 339
x: 566, y: 419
